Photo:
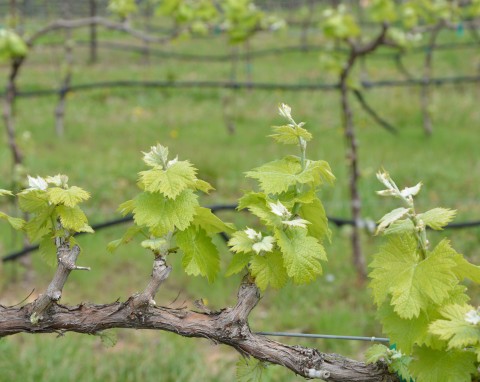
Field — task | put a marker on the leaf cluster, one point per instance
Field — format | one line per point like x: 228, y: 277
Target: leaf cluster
x: 422, y: 304
x: 289, y: 247
x: 11, y: 45
x: 53, y: 212
x: 122, y: 8
x: 168, y: 216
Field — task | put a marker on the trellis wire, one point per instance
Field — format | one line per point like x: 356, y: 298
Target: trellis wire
x: 339, y: 222
x: 325, y: 336
x: 124, y: 47
x: 437, y: 81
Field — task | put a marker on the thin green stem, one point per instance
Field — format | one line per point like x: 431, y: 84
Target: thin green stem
x: 303, y: 160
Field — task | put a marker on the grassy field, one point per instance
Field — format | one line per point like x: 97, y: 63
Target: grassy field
x: 106, y: 131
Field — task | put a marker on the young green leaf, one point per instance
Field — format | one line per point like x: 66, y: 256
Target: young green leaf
x: 33, y: 201
x: 69, y: 197
x: 431, y: 365
x: 290, y: 134
x: 239, y: 262
x: 200, y: 256
x: 48, y: 250
x: 318, y: 172
x: 126, y: 207
x: 437, y: 218
x: 250, y: 370
x: 277, y: 176
x: 405, y: 333
x: 16, y: 223
x: 157, y: 156
x: 203, y: 186
x: 241, y: 243
x: 170, y: 181
x: 388, y: 262
x: 5, y: 192
x: 268, y: 270
x: 301, y: 253
x: 399, y: 227
x: 456, y: 328
x: 206, y: 219
x: 401, y: 366
x: 424, y: 282
x: 72, y: 218
x: 163, y: 215
x: 40, y: 225
x: 257, y: 204
x: 108, y: 337
x: 314, y: 212
x: 413, y: 282
x: 390, y: 218
x: 376, y: 353
x: 154, y: 244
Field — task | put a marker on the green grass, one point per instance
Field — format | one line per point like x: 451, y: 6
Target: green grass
x: 106, y: 131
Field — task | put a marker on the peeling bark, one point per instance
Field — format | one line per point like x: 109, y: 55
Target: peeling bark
x: 67, y: 258
x: 228, y: 326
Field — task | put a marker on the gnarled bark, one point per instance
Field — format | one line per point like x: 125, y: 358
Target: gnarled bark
x: 228, y: 326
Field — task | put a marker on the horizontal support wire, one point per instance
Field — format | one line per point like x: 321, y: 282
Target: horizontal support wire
x: 123, y: 47
x: 339, y: 222
x: 324, y: 336
x: 438, y: 81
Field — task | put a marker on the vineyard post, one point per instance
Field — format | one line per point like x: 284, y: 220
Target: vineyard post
x: 355, y: 52
x: 93, y: 33
x: 427, y: 74
x: 67, y: 72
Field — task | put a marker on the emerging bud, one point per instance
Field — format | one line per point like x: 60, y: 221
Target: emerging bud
x: 285, y: 111
x: 58, y: 180
x: 472, y: 317
x: 411, y: 191
x: 252, y: 234
x: 265, y: 245
x: 37, y: 183
x: 280, y: 210
x: 302, y: 223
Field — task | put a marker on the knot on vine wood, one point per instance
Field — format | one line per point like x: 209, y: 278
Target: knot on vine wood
x: 312, y: 358
x: 237, y: 330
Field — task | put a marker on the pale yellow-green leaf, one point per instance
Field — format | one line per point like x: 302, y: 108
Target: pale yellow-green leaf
x: 126, y: 207
x: 268, y: 270
x: 454, y: 328
x: 412, y: 282
x: 302, y: 254
x: 200, y: 256
x: 171, y: 181
x: 162, y: 215
x: 211, y: 223
x: 240, y: 242
x: 314, y: 212
x: 290, y: 135
x: 71, y: 218
x: 203, y: 186
x: 69, y: 197
x: 431, y: 365
x: 238, y: 263
x: 376, y: 353
x: 390, y: 218
x: 437, y: 218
